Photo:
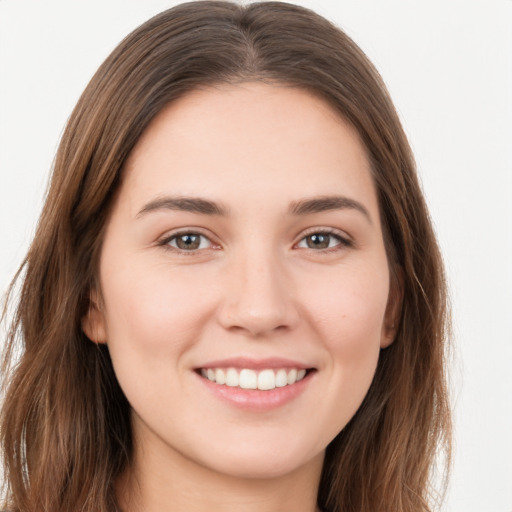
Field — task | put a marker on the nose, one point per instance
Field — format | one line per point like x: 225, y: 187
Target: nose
x: 259, y: 300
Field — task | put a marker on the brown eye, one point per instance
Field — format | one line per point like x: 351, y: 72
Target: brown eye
x: 318, y: 241
x: 321, y: 241
x: 189, y: 242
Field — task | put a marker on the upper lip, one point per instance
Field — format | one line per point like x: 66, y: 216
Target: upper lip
x: 255, y: 364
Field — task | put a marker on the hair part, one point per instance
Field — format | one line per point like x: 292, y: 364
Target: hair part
x: 65, y: 423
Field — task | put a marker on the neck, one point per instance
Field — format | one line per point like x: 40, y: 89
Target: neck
x: 161, y: 479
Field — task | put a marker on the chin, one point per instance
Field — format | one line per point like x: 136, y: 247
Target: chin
x: 255, y: 462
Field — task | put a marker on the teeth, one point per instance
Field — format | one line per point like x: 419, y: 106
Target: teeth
x: 232, y: 378
x: 220, y: 376
x: 250, y: 379
x: 281, y: 379
x: 266, y: 380
x: 292, y: 376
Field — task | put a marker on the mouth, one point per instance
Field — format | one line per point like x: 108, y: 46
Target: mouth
x: 254, y: 384
x: 264, y: 379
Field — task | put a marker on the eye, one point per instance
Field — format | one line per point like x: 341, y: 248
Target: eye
x: 188, y: 241
x: 323, y: 240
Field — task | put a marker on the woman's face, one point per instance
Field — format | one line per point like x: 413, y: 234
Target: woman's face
x: 244, y: 250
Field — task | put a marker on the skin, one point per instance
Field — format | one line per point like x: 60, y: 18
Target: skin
x: 257, y: 286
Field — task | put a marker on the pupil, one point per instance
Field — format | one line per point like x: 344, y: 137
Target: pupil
x: 188, y: 242
x: 318, y: 241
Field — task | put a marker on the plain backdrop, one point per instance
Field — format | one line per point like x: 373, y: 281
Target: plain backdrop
x: 448, y: 66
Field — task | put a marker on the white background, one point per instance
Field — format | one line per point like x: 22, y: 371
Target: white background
x: 448, y: 65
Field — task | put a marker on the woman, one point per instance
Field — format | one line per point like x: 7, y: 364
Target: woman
x: 234, y: 299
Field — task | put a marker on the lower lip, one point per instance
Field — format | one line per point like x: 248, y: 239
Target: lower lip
x: 255, y: 399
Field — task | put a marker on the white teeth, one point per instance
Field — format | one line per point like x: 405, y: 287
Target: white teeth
x: 281, y: 378
x: 266, y: 380
x: 232, y: 378
x: 220, y: 376
x: 248, y: 379
x: 251, y: 379
x: 292, y: 376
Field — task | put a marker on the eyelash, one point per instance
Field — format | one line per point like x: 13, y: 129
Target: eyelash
x: 343, y: 241
x: 165, y: 242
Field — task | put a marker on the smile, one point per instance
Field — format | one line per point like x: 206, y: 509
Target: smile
x: 245, y: 378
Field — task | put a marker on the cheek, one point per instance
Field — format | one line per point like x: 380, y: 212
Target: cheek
x: 350, y: 311
x: 346, y: 310
x: 152, y: 313
x: 146, y: 294
x: 349, y: 318
x: 153, y: 319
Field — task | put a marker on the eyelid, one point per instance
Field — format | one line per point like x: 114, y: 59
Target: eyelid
x: 164, y: 240
x: 345, y: 239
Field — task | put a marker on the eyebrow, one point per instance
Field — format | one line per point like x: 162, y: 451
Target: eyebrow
x: 326, y: 203
x: 207, y: 207
x: 184, y: 204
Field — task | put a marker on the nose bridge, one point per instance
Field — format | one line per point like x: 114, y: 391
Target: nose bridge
x: 258, y: 300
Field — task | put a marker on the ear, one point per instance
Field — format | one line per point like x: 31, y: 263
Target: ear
x: 93, y: 322
x: 393, y: 308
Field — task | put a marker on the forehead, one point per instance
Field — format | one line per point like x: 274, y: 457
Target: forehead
x: 256, y: 139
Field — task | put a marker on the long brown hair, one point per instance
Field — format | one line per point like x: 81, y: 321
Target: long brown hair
x: 65, y: 423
